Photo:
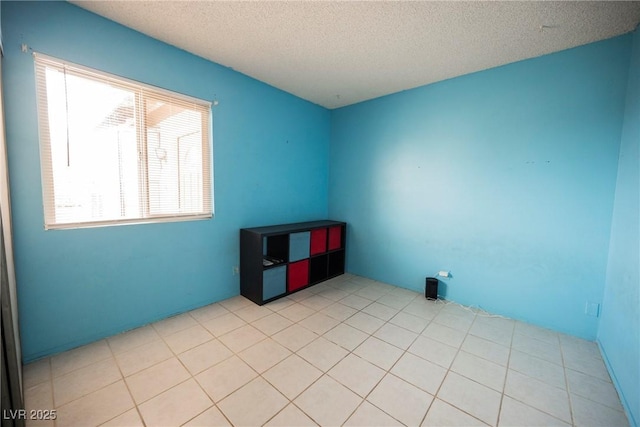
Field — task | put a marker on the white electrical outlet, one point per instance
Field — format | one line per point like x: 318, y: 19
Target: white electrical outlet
x: 444, y: 273
x: 592, y: 309
x: 235, y: 270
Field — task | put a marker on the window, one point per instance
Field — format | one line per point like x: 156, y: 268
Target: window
x: 117, y: 151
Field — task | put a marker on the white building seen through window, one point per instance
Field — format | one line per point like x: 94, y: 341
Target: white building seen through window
x: 117, y: 151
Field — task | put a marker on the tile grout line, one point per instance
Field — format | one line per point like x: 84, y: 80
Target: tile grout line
x: 544, y: 411
x: 57, y: 407
x: 291, y: 401
x: 53, y: 396
x: 386, y: 372
x: 174, y: 355
x: 406, y: 351
x: 566, y: 383
x: 135, y: 405
x: 506, y: 374
x: 335, y: 364
x: 260, y: 375
x: 177, y: 356
x: 191, y: 376
x: 315, y: 311
x: 236, y: 354
x: 435, y: 396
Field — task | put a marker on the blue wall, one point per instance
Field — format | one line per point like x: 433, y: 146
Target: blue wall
x: 270, y: 166
x: 0, y: 27
x: 505, y: 177
x: 619, y: 329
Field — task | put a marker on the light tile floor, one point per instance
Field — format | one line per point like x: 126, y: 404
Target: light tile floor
x: 350, y: 351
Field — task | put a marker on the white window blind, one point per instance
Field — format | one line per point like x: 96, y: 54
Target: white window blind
x: 117, y: 151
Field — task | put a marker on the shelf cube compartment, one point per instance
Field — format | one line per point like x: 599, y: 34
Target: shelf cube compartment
x: 299, y: 246
x: 318, y: 241
x: 276, y: 246
x: 298, y: 275
x: 335, y: 238
x: 336, y: 264
x: 274, y: 282
x: 318, y: 268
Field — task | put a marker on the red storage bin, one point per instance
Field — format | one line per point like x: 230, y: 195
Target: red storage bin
x: 318, y: 241
x: 335, y: 238
x: 298, y: 275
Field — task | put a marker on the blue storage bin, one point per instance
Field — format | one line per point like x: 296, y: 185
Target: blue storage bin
x: 299, y: 244
x: 274, y: 282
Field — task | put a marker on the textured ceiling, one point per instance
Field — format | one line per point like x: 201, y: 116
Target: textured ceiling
x: 339, y: 53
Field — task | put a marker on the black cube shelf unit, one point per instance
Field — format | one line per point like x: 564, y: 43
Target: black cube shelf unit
x: 281, y: 259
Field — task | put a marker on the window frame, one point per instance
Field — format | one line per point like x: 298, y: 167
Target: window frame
x: 140, y: 90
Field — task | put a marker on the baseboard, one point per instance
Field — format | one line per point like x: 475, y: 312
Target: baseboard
x: 627, y: 410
